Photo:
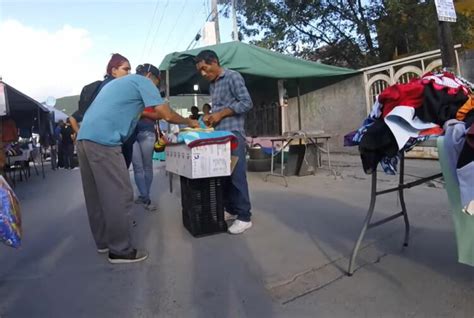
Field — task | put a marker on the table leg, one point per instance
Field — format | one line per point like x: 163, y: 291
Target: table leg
x: 329, y: 155
x: 272, y: 167
x: 370, y: 212
x: 402, y: 199
x: 170, y: 176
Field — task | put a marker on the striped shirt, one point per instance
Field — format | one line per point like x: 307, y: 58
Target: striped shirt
x: 229, y: 91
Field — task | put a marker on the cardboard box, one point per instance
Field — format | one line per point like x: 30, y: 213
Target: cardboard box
x: 199, y: 162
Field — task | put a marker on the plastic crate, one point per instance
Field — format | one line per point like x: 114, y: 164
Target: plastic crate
x: 203, y: 205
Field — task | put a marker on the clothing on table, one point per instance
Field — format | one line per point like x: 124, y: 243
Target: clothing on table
x: 108, y: 194
x: 229, y: 91
x: 469, y: 119
x: 404, y: 125
x: 114, y: 113
x: 470, y: 135
x: 463, y: 223
x: 376, y: 143
x: 465, y: 109
x: 410, y: 94
x: 439, y: 106
x: 460, y: 158
x: 413, y: 113
x: 445, y: 81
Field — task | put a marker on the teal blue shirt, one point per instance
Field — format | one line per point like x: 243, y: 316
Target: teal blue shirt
x: 114, y: 113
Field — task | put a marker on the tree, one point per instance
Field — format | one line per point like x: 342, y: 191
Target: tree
x: 352, y: 33
x: 338, y: 30
x: 406, y: 27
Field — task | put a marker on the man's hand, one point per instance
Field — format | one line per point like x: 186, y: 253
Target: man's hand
x: 213, y: 119
x: 193, y: 123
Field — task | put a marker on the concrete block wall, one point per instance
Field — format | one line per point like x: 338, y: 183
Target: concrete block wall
x: 337, y: 109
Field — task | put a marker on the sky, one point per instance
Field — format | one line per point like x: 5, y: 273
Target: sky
x: 54, y: 48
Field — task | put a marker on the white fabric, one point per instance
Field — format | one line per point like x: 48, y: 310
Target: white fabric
x: 376, y: 110
x: 403, y: 124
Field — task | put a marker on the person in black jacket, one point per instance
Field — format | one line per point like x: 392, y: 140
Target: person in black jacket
x: 118, y: 66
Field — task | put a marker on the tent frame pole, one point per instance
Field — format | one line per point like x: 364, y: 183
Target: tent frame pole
x: 41, y: 146
x: 299, y: 104
x: 170, y: 175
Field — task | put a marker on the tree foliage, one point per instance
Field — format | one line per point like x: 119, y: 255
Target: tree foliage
x: 352, y: 33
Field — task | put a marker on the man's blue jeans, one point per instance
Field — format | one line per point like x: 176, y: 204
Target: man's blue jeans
x: 143, y: 162
x: 236, y: 194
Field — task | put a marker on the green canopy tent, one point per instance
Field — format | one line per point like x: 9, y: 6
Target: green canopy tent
x: 260, y: 67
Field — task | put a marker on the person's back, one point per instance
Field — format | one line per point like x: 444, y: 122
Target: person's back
x: 66, y: 135
x: 116, y: 109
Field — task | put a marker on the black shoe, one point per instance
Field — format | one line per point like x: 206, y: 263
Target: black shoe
x: 133, y: 257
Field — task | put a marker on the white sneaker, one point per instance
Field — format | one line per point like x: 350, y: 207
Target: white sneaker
x: 103, y: 250
x: 229, y: 217
x: 239, y: 227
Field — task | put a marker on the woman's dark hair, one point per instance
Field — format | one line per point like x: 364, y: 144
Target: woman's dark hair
x: 207, y: 56
x: 143, y: 69
x: 115, y: 61
x: 194, y: 110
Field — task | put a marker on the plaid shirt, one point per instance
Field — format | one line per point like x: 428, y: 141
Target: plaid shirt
x: 229, y: 91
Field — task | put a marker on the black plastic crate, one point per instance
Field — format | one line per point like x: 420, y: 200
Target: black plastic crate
x: 203, y: 205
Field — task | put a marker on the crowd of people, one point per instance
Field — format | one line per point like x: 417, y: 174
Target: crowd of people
x: 115, y: 126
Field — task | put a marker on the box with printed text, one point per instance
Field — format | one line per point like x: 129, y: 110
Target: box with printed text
x: 199, y: 162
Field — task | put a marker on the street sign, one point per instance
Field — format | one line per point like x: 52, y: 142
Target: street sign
x: 445, y: 10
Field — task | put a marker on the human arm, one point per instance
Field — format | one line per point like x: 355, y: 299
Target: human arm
x: 214, y: 118
x: 165, y: 112
x: 151, y: 115
x: 74, y: 124
x: 242, y: 102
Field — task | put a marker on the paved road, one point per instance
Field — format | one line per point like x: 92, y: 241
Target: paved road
x: 290, y: 264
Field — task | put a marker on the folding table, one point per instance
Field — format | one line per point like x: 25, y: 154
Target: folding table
x: 367, y: 225
x: 286, y: 141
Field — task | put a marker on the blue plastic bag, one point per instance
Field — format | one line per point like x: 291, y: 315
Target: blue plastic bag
x: 10, y: 217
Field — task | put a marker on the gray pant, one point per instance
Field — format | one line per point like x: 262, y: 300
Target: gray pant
x: 108, y: 194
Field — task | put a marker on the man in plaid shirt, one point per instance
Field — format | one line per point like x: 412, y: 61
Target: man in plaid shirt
x: 230, y: 101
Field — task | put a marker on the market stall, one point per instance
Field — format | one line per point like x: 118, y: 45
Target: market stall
x: 270, y: 77
x: 21, y: 118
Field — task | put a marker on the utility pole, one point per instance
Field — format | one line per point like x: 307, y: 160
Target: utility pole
x: 216, y: 21
x: 446, y: 15
x: 446, y: 45
x: 235, y: 32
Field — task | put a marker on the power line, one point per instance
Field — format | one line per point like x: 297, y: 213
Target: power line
x: 175, y: 23
x: 149, y: 29
x: 187, y: 33
x: 158, y: 28
x: 193, y: 42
